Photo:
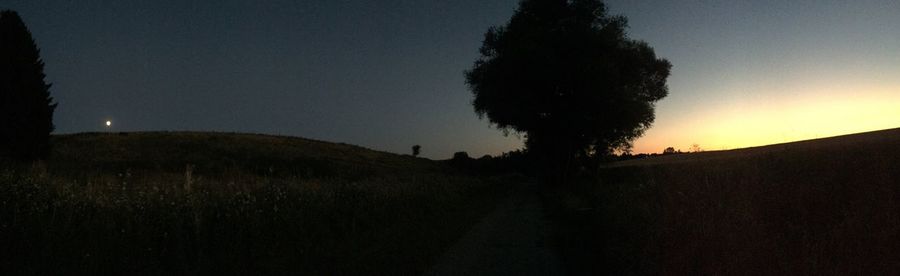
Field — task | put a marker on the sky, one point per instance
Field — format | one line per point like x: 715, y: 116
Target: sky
x: 389, y: 74
x: 750, y: 73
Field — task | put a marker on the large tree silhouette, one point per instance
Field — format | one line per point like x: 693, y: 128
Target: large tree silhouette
x: 565, y: 74
x: 26, y: 108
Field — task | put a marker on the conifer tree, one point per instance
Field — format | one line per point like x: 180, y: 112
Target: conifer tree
x: 26, y: 108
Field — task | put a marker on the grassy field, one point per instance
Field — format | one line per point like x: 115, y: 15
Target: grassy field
x: 820, y: 207
x: 204, y: 203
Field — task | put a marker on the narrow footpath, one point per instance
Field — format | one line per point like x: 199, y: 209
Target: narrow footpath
x: 514, y: 239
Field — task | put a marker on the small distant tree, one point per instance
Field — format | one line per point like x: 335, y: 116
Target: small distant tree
x: 696, y: 148
x: 26, y: 108
x: 669, y: 150
x: 462, y: 160
x: 461, y: 155
x: 416, y: 149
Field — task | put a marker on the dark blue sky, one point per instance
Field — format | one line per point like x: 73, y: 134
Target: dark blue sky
x: 388, y: 74
x: 382, y: 74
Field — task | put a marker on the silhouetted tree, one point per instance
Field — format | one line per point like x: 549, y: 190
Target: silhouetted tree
x: 669, y: 150
x: 565, y: 73
x: 416, y: 149
x: 696, y: 148
x: 461, y: 155
x: 461, y: 160
x: 26, y: 108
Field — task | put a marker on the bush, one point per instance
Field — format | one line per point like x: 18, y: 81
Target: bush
x: 461, y: 156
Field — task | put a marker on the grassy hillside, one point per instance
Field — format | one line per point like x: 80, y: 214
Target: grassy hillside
x: 188, y: 203
x: 219, y: 152
x: 826, y: 206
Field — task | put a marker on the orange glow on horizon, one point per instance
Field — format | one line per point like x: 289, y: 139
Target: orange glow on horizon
x: 825, y: 113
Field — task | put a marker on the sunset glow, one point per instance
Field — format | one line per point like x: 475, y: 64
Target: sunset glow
x: 772, y: 77
x: 745, y: 73
x: 792, y: 119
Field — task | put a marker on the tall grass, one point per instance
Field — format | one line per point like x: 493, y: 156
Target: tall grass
x: 112, y: 213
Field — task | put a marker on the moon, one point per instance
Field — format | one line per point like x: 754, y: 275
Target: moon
x: 108, y: 123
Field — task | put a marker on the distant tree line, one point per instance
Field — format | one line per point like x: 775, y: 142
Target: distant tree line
x: 695, y: 148
x: 516, y: 161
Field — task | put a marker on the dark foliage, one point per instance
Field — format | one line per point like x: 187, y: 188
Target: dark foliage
x: 669, y: 150
x: 26, y: 108
x: 461, y: 160
x: 512, y: 162
x: 416, y: 150
x: 566, y: 75
x: 461, y: 155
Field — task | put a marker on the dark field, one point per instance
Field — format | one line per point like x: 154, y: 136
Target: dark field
x: 821, y: 207
x: 212, y: 203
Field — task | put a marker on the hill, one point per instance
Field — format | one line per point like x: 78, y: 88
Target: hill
x: 824, y: 206
x: 213, y: 203
x: 218, y: 152
x: 873, y: 139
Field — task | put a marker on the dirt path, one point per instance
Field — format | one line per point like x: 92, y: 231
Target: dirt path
x: 514, y: 239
